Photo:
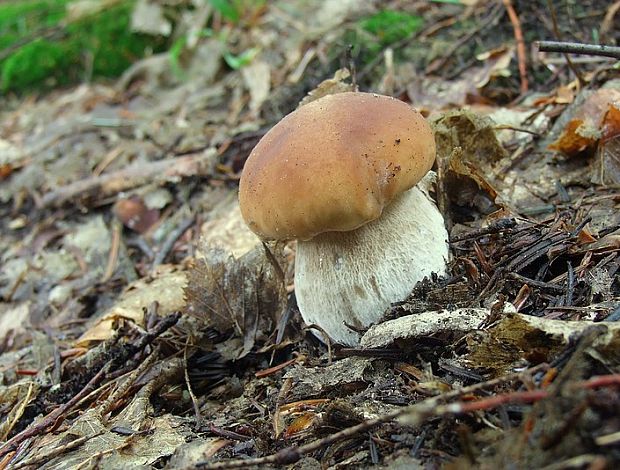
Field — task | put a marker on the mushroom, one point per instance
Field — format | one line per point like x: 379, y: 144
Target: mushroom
x: 339, y: 175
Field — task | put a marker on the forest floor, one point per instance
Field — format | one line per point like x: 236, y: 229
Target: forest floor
x: 142, y: 325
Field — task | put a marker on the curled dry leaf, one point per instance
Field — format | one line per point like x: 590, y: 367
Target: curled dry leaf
x: 257, y: 78
x: 562, y: 95
x: 596, y: 120
x: 467, y: 150
x: 300, y: 425
x: 607, y: 244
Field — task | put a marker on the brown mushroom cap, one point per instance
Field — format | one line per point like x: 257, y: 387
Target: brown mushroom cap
x: 333, y: 165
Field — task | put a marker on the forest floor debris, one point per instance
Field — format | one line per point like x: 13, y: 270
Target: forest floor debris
x: 142, y: 324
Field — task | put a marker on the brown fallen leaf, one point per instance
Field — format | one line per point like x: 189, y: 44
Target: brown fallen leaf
x: 244, y: 295
x: 608, y: 164
x: 564, y: 94
x: 467, y: 151
x: 300, y: 425
x: 597, y: 119
x: 134, y: 214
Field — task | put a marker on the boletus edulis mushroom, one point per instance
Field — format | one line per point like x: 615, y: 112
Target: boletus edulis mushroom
x: 339, y: 175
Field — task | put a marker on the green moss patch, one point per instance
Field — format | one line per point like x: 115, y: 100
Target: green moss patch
x: 39, y: 49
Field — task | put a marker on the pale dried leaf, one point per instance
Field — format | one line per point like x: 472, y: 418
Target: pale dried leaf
x: 166, y: 289
x: 257, y: 77
x: 148, y: 18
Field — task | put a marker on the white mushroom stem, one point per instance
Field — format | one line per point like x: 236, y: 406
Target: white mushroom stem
x: 352, y: 277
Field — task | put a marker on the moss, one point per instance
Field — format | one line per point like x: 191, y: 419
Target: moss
x: 389, y: 26
x: 55, y: 54
x: 370, y: 35
x: 20, y: 18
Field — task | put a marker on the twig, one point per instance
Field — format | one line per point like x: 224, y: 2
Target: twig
x: 601, y: 381
x: 535, y: 283
x: 114, y: 251
x: 122, y: 388
x: 163, y: 325
x: 142, y: 245
x: 579, y: 48
x: 521, y: 55
x: 277, y: 420
x: 492, y: 18
x: 271, y: 370
x: 524, y: 258
x: 56, y: 451
x: 570, y: 285
x: 173, y: 236
x: 326, y: 339
x: 607, y: 25
x: 188, y: 384
x: 274, y: 262
x: 53, y: 417
x: 419, y: 411
x: 134, y: 175
x: 556, y: 31
x: 516, y: 129
x: 21, y: 408
x: 494, y: 227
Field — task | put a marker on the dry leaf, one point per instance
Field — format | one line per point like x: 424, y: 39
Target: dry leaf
x: 467, y: 149
x: 228, y: 231
x: 166, y: 290
x: 331, y: 86
x: 590, y: 123
x: 497, y: 63
x: 563, y: 95
x: 300, y: 425
x: 257, y: 77
x: 148, y: 18
x: 244, y: 295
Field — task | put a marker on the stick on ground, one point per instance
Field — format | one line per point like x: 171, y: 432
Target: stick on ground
x: 579, y: 48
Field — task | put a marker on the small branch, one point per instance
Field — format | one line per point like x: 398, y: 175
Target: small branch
x: 418, y: 412
x: 490, y: 20
x: 556, y: 31
x: 114, y: 252
x: 188, y: 384
x: 114, y: 396
x: 168, y: 244
x: 521, y: 54
x: 55, y: 452
x: 54, y: 417
x: 137, y: 174
x: 579, y: 48
x: 162, y: 326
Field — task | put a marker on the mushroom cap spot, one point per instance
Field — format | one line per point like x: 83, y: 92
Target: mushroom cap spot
x: 333, y: 165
